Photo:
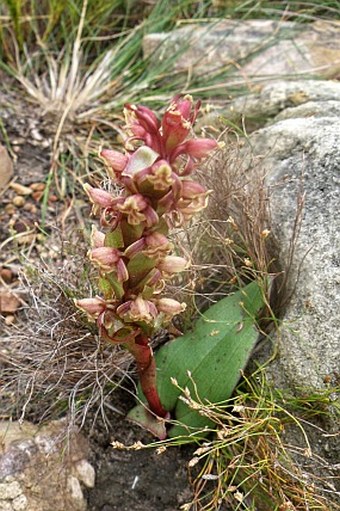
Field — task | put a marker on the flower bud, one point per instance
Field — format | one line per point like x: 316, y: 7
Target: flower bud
x: 169, y: 306
x: 109, y: 259
x: 93, y: 307
x: 138, y: 310
x: 99, y: 197
x: 116, y: 160
x: 173, y: 264
x: 195, y: 148
x: 192, y: 190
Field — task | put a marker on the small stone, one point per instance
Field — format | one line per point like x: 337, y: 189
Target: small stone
x: 37, y: 187
x: 6, y: 167
x: 10, y: 490
x: 31, y: 208
x: 18, y: 201
x: 6, y: 275
x: 9, y: 302
x: 9, y: 209
x: 20, y: 503
x: 75, y: 489
x: 9, y: 320
x: 36, y: 135
x: 21, y: 189
x: 37, y: 195
x: 5, y: 506
x: 86, y: 473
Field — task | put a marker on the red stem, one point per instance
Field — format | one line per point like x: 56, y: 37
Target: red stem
x: 146, y: 366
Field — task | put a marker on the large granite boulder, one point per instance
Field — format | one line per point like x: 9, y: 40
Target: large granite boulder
x: 251, y: 48
x: 43, y: 469
x: 300, y: 155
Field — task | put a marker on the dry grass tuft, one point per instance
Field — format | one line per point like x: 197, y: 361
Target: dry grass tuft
x: 52, y: 361
x: 232, y: 243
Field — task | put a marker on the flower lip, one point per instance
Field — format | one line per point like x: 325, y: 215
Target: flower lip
x: 109, y: 259
x: 141, y: 159
x: 138, y: 310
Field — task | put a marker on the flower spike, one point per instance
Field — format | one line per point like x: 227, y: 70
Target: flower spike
x: 132, y: 252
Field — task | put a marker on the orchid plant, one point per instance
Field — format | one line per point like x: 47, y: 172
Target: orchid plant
x: 132, y: 251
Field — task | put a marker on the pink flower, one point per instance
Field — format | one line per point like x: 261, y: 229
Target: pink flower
x: 154, y: 245
x: 161, y: 175
x: 172, y: 264
x: 195, y: 148
x: 169, y: 307
x: 138, y: 210
x: 109, y: 259
x: 93, y: 307
x: 144, y: 125
x: 116, y: 162
x: 100, y: 198
x: 178, y: 121
x: 138, y: 310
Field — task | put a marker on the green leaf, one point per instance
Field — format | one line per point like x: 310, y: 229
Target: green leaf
x: 110, y: 287
x: 139, y: 267
x: 114, y: 239
x: 215, y: 352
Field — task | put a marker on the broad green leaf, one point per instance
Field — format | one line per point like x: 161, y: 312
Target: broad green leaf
x: 215, y: 352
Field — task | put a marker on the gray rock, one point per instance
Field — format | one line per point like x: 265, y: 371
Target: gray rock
x: 20, y: 503
x: 262, y: 48
x: 10, y: 490
x: 85, y: 473
x: 278, y: 101
x: 301, y: 159
x: 6, y: 167
x: 42, y: 469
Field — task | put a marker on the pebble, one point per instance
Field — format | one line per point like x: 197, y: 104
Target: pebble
x: 9, y: 320
x: 10, y: 209
x: 10, y: 490
x: 36, y: 135
x: 21, y: 189
x: 18, y: 201
x: 6, y: 275
x: 75, y: 489
x: 20, y: 503
x: 37, y: 187
x: 86, y: 473
x: 31, y: 208
x: 37, y: 195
